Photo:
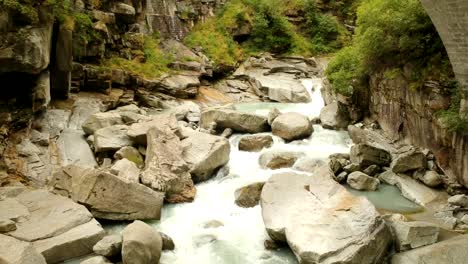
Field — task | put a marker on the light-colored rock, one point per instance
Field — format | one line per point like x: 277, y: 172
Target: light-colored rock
x: 96, y: 260
x: 410, y: 188
x: 132, y: 154
x: 365, y: 155
x: 6, y: 225
x: 127, y: 170
x: 111, y: 138
x: 14, y: 251
x: 307, y: 164
x: 352, y: 167
x: 363, y: 182
x: 255, y: 143
x: 278, y: 159
x: 205, y: 154
x: 181, y: 86
x: 249, y: 196
x: 236, y: 120
x: 109, y: 246
x: 49, y: 215
x: 83, y: 108
x: 334, y: 116
x: 165, y: 170
x: 122, y: 8
x: 124, y: 201
x: 415, y: 234
x: 11, y: 208
x: 73, y: 149
x: 137, y: 132
x: 142, y: 244
x: 321, y: 221
x: 413, y: 160
x: 272, y: 115
x: 76, y: 242
x: 292, y: 126
x: 40, y: 138
x: 101, y: 120
x: 431, y: 178
x: 454, y: 250
x: 459, y: 200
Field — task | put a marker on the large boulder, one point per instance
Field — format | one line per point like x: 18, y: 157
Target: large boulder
x: 73, y: 149
x: 409, y: 235
x: 255, y: 143
x: 454, y: 250
x: 205, y: 154
x: 132, y: 154
x: 111, y: 138
x: 362, y: 182
x: 165, y: 170
x: 142, y: 244
x: 181, y: 86
x: 412, y: 160
x: 138, y: 131
x: 14, y: 251
x: 292, y: 126
x: 321, y: 221
x: 278, y: 159
x: 58, y: 228
x: 124, y: 201
x: 238, y: 121
x: 127, y: 170
x: 459, y: 200
x: 308, y: 164
x: 411, y: 188
x: 109, y: 246
x: 334, y: 116
x: 249, y: 196
x: 101, y: 120
x: 365, y: 155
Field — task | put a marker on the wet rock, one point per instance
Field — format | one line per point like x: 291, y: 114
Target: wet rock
x: 124, y: 201
x: 278, y: 159
x: 410, y: 188
x: 132, y: 154
x: 342, y: 177
x: 429, y: 178
x: 141, y: 244
x: 413, y: 160
x: 454, y: 250
x: 335, y: 166
x: 6, y: 225
x: 308, y: 164
x: 362, y: 182
x: 13, y: 251
x: 101, y: 120
x: 271, y: 245
x: 111, y: 138
x: 138, y: 131
x: 350, y: 168
x: 168, y: 243
x: 255, y: 143
x: 127, y: 170
x: 96, y: 260
x: 166, y: 170
x: 365, y: 155
x: 459, y: 200
x: 272, y: 115
x: 292, y: 126
x: 372, y: 170
x: 334, y: 116
x: 205, y: 154
x: 238, y: 121
x: 249, y: 196
x: 415, y: 234
x: 109, y: 246
x: 321, y: 221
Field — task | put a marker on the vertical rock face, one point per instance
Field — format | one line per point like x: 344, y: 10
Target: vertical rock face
x: 410, y: 115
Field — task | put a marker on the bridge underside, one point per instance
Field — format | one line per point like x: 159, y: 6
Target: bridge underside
x: 450, y: 17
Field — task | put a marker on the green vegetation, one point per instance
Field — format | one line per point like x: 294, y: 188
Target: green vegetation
x: 251, y: 26
x: 390, y: 34
x: 151, y: 63
x: 451, y: 117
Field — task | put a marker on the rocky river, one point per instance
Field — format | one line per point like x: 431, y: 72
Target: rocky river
x: 255, y: 169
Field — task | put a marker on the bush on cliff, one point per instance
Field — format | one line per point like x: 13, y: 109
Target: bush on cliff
x: 390, y: 34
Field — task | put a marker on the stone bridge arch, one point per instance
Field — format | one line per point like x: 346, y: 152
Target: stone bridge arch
x: 450, y: 18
